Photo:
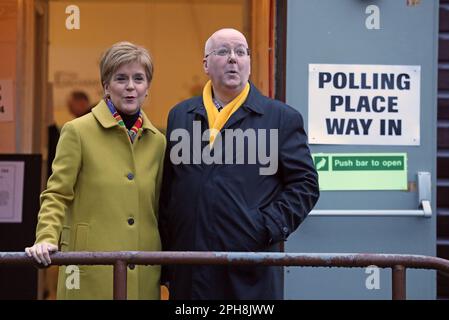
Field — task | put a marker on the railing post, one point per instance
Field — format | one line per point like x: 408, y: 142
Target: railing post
x: 120, y: 280
x: 399, y: 282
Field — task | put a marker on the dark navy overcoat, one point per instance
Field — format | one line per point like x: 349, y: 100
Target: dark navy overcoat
x: 231, y: 206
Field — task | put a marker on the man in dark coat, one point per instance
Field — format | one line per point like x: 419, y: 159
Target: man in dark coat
x: 243, y: 185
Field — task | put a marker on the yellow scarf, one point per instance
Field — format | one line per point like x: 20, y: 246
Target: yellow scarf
x: 218, y: 119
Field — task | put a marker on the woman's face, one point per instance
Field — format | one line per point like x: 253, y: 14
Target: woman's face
x: 128, y: 88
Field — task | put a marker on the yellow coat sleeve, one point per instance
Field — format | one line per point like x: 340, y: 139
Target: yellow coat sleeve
x: 56, y: 199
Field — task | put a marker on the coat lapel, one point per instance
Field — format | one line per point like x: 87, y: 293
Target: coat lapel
x: 199, y: 110
x: 103, y: 115
x: 251, y: 105
x: 240, y: 114
x: 200, y: 114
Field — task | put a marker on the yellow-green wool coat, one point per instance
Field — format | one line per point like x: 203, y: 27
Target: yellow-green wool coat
x: 103, y: 196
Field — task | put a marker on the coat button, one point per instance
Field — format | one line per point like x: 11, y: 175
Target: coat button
x: 131, y: 266
x: 130, y: 176
x: 285, y: 230
x: 130, y: 221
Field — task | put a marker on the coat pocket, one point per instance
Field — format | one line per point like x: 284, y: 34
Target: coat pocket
x: 65, y: 238
x: 81, y: 237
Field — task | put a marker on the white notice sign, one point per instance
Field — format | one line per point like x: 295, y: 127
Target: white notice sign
x: 11, y: 191
x: 364, y: 104
x: 6, y: 100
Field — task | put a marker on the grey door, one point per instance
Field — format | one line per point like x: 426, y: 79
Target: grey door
x: 347, y: 32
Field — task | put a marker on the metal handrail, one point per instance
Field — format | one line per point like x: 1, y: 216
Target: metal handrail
x: 397, y: 262
x: 426, y: 212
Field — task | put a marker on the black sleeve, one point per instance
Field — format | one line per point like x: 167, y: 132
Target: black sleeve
x: 300, y: 189
x: 164, y: 199
x: 53, y: 137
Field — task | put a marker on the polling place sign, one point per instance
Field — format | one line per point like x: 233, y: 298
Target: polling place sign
x: 361, y: 171
x: 364, y: 104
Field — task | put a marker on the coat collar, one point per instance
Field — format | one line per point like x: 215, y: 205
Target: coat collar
x: 103, y: 115
x: 252, y: 103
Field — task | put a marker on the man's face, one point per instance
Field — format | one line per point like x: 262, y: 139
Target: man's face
x: 229, y: 72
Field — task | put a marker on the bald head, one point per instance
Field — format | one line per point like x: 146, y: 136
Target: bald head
x: 230, y: 65
x: 223, y: 34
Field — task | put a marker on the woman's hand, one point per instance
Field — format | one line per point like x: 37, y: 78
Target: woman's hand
x: 41, y: 252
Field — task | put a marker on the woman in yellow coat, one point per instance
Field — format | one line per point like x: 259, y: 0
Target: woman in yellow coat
x: 104, y: 190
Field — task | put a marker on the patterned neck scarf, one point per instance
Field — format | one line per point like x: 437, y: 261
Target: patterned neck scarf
x: 132, y: 133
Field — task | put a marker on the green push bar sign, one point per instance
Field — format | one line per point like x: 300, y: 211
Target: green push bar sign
x: 361, y: 171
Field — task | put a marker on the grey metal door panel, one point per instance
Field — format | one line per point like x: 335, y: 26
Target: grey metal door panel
x: 361, y: 235
x: 334, y: 32
x: 350, y: 285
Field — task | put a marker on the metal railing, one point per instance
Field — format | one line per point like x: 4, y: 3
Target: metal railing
x: 399, y: 263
